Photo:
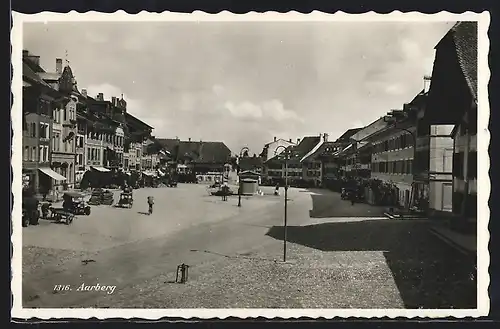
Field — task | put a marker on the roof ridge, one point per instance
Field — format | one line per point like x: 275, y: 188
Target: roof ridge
x: 314, y: 149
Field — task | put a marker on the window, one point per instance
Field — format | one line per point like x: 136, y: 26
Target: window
x: 65, y: 114
x: 458, y: 165
x: 33, y: 129
x: 44, y: 130
x: 26, y: 155
x: 40, y: 158
x: 33, y: 154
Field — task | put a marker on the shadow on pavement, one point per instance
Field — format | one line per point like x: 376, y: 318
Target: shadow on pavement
x: 143, y: 213
x: 427, y: 272
x: 331, y: 205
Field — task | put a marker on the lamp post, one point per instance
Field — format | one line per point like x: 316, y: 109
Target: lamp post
x: 239, y: 179
x: 286, y: 153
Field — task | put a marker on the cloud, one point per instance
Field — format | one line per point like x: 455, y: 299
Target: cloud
x: 268, y: 110
x: 245, y: 82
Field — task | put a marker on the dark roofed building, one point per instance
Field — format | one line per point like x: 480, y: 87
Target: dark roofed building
x: 453, y: 86
x: 345, y: 137
x: 253, y: 163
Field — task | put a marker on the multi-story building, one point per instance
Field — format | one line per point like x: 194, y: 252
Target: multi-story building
x: 106, y: 138
x: 64, y: 128
x: 204, y: 161
x: 312, y: 171
x: 275, y: 147
x: 300, y: 170
x: 393, y: 153
x: 452, y: 101
x: 137, y: 132
x: 38, y: 101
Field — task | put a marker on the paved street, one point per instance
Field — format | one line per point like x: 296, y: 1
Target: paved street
x: 235, y: 255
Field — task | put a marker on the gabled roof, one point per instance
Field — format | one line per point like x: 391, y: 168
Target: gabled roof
x: 465, y: 40
x: 130, y: 118
x: 326, y: 148
x: 169, y: 143
x: 31, y: 75
x: 306, y: 145
x: 277, y: 140
x: 314, y: 150
x: 347, y: 135
x: 199, y: 152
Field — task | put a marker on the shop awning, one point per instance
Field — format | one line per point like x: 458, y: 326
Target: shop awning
x: 101, y: 169
x: 52, y: 174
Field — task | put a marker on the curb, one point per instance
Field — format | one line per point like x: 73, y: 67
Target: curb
x: 390, y: 216
x: 450, y: 242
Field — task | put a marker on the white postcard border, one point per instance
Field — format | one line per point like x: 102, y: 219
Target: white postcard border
x: 483, y: 279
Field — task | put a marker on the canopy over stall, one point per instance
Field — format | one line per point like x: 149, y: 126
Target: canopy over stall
x: 52, y: 174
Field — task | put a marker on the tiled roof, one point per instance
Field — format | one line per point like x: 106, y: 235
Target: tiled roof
x: 207, y: 152
x: 348, y: 134
x: 31, y: 75
x: 465, y: 40
x: 169, y: 143
x: 325, y: 148
x: 306, y: 145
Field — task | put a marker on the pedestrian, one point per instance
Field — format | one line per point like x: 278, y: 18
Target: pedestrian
x: 225, y: 192
x: 277, y: 189
x: 151, y: 202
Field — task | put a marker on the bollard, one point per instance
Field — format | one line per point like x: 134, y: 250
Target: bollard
x: 182, y: 273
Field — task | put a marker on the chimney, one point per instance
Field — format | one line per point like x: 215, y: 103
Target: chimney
x: 26, y: 53
x: 427, y: 83
x: 59, y: 65
x: 189, y: 139
x: 113, y: 100
x: 325, y: 137
x: 298, y: 141
x: 84, y: 93
x: 290, y: 140
x: 34, y: 59
x: 275, y: 138
x: 100, y: 97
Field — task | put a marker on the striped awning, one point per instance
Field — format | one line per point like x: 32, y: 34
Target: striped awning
x: 52, y: 174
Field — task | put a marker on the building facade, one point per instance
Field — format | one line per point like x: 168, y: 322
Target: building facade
x: 392, y: 157
x: 452, y: 101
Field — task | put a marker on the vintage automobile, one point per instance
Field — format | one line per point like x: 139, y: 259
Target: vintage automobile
x: 126, y: 200
x: 74, y: 203
x: 61, y: 215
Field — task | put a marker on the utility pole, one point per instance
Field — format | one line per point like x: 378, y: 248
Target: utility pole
x: 285, y: 226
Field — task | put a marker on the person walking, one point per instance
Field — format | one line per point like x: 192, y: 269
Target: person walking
x: 225, y: 192
x: 151, y: 202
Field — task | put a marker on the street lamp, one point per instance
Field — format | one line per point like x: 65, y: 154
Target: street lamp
x: 239, y: 179
x: 286, y: 153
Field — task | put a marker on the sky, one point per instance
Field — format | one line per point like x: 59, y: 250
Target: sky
x: 244, y: 83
